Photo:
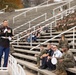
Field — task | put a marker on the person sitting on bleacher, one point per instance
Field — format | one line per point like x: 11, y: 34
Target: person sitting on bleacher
x: 44, y: 57
x: 58, y: 27
x: 57, y: 54
x: 70, y: 22
x: 38, y: 56
x: 34, y: 37
x: 64, y: 24
x: 66, y: 61
x: 63, y: 41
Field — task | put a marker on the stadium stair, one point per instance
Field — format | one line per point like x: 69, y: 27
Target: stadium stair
x: 24, y: 56
x: 22, y: 52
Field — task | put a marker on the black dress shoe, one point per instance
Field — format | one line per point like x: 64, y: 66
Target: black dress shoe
x: 48, y: 69
x: 42, y: 67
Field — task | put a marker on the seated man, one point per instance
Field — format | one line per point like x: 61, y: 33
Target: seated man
x: 58, y: 27
x: 66, y: 61
x: 44, y: 57
x: 63, y: 41
x: 57, y: 54
x: 42, y: 51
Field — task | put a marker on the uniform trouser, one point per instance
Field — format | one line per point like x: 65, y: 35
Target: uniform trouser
x: 62, y: 66
x: 44, y: 61
x: 38, y: 59
x: 6, y: 54
x: 48, y: 63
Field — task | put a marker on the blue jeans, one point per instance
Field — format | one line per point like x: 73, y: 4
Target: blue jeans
x: 6, y: 54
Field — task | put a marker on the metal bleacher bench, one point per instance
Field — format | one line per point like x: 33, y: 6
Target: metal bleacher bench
x: 40, y: 71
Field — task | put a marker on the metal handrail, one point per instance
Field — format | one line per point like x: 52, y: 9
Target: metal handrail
x: 34, y: 27
x: 32, y: 9
x: 54, y: 37
x: 29, y: 22
x: 61, y: 6
x: 14, y: 68
x: 30, y: 33
x: 41, y: 23
x: 59, y: 34
x: 29, y: 10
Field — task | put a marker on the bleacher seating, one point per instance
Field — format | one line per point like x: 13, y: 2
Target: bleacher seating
x: 22, y: 52
x: 25, y: 57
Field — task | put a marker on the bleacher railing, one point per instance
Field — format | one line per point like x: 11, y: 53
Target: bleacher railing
x: 72, y: 41
x: 18, y: 39
x: 56, y: 17
x: 29, y: 22
x: 13, y: 68
x: 25, y: 12
x: 60, y: 8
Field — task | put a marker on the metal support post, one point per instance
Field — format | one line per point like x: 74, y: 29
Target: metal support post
x: 29, y: 24
x: 45, y: 16
x: 73, y: 38
x: 51, y: 30
x: 17, y: 40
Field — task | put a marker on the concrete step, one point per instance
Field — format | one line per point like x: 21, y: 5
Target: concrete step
x: 33, y: 67
x: 58, y: 32
x: 72, y: 70
x: 26, y: 51
x: 26, y: 43
x: 4, y: 72
x: 33, y: 58
x: 42, y: 40
x: 23, y: 46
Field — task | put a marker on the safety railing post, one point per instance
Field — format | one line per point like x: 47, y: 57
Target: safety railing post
x: 51, y: 29
x: 69, y: 4
x: 69, y: 7
x: 53, y: 12
x: 45, y: 16
x: 13, y: 31
x: 47, y: 3
x: 29, y: 24
x: 31, y: 39
x: 61, y: 15
x: 13, y: 20
x: 73, y: 38
x: 25, y: 14
x: 55, y: 21
x: 61, y: 8
x: 17, y: 40
x: 36, y: 8
x: 34, y: 28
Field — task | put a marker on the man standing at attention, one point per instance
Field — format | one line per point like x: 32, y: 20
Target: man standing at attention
x: 5, y: 37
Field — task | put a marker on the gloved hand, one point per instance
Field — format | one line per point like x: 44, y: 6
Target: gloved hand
x: 5, y: 30
x: 10, y: 38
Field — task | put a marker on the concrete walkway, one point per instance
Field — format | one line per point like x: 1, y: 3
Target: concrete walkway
x: 29, y: 72
x: 4, y: 72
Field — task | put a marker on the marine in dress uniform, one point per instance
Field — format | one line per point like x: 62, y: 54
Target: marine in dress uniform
x: 5, y: 37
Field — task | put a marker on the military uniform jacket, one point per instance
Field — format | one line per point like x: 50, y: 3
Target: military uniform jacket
x: 42, y: 52
x: 4, y: 41
x: 68, y: 57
